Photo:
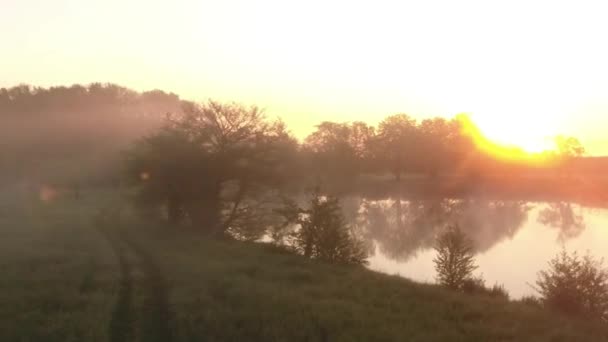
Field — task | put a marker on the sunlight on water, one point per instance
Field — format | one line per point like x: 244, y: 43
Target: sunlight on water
x: 513, y: 261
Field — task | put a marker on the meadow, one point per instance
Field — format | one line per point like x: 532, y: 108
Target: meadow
x: 89, y: 269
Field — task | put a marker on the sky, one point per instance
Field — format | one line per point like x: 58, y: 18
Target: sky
x: 524, y: 70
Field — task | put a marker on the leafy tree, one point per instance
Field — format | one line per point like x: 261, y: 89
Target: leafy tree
x: 211, y: 162
x: 576, y: 286
x: 455, y: 261
x: 395, y: 146
x: 320, y: 231
x: 168, y: 170
x: 439, y: 140
x: 338, y: 152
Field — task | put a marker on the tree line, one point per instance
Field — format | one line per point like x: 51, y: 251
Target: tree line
x: 213, y: 162
x: 79, y: 128
x: 75, y: 133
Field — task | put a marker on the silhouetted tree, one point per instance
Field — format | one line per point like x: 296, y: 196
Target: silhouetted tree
x: 210, y: 161
x: 338, y: 152
x: 576, y: 286
x: 455, y: 261
x: 320, y: 231
x: 395, y: 146
x: 438, y: 145
x: 568, y: 149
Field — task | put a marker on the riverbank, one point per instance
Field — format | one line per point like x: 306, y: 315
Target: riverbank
x: 65, y: 280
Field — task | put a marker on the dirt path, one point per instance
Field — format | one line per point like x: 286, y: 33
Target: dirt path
x: 141, y: 312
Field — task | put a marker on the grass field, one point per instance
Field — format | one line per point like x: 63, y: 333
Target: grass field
x: 69, y: 274
x: 58, y: 274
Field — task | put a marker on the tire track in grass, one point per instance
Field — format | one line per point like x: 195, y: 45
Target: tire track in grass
x: 121, y: 327
x: 149, y: 319
x: 157, y: 319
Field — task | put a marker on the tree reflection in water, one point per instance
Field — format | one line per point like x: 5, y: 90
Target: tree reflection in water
x: 400, y: 229
x: 562, y: 216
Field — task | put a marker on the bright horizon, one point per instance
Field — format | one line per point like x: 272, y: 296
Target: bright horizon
x: 525, y: 71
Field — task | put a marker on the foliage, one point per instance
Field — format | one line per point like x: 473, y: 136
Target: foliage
x: 320, y: 231
x: 473, y: 285
x: 397, y: 143
x: 574, y: 285
x: 499, y: 291
x: 531, y: 300
x: 254, y: 292
x: 477, y: 285
x: 338, y: 152
x: 67, y: 287
x: 211, y: 162
x: 454, y: 262
x: 74, y: 134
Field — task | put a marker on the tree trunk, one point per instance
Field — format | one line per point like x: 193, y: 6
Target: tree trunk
x: 399, y: 212
x: 205, y: 213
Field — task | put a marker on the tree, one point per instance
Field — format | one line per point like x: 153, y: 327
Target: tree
x: 320, y: 231
x: 395, y: 145
x: 211, y: 162
x: 569, y: 147
x: 439, y: 140
x: 454, y: 262
x: 575, y: 286
x: 169, y: 171
x: 338, y: 151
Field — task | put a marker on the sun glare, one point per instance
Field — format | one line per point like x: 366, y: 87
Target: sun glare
x: 498, y: 141
x: 520, y: 135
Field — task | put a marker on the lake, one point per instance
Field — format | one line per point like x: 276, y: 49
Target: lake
x: 513, y: 240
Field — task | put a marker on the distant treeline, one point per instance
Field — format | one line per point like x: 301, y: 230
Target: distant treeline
x: 75, y: 133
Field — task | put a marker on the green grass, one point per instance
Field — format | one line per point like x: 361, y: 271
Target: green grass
x: 227, y: 291
x: 64, y: 280
x: 57, y: 273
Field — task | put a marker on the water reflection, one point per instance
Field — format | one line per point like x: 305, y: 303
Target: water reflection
x: 562, y: 216
x: 400, y: 228
x: 513, y: 239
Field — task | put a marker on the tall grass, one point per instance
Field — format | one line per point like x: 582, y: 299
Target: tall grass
x: 233, y: 291
x: 57, y: 274
x: 61, y: 281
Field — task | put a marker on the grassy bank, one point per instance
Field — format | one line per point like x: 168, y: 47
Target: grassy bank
x: 223, y: 291
x: 63, y: 280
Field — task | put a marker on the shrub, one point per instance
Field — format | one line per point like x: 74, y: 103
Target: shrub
x: 474, y: 285
x: 499, y: 291
x: 477, y: 285
x: 574, y: 285
x: 454, y: 262
x: 321, y: 232
x: 531, y: 300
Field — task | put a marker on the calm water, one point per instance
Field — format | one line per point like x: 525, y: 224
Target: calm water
x: 513, y: 239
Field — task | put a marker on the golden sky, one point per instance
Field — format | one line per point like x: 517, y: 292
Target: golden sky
x: 525, y: 70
